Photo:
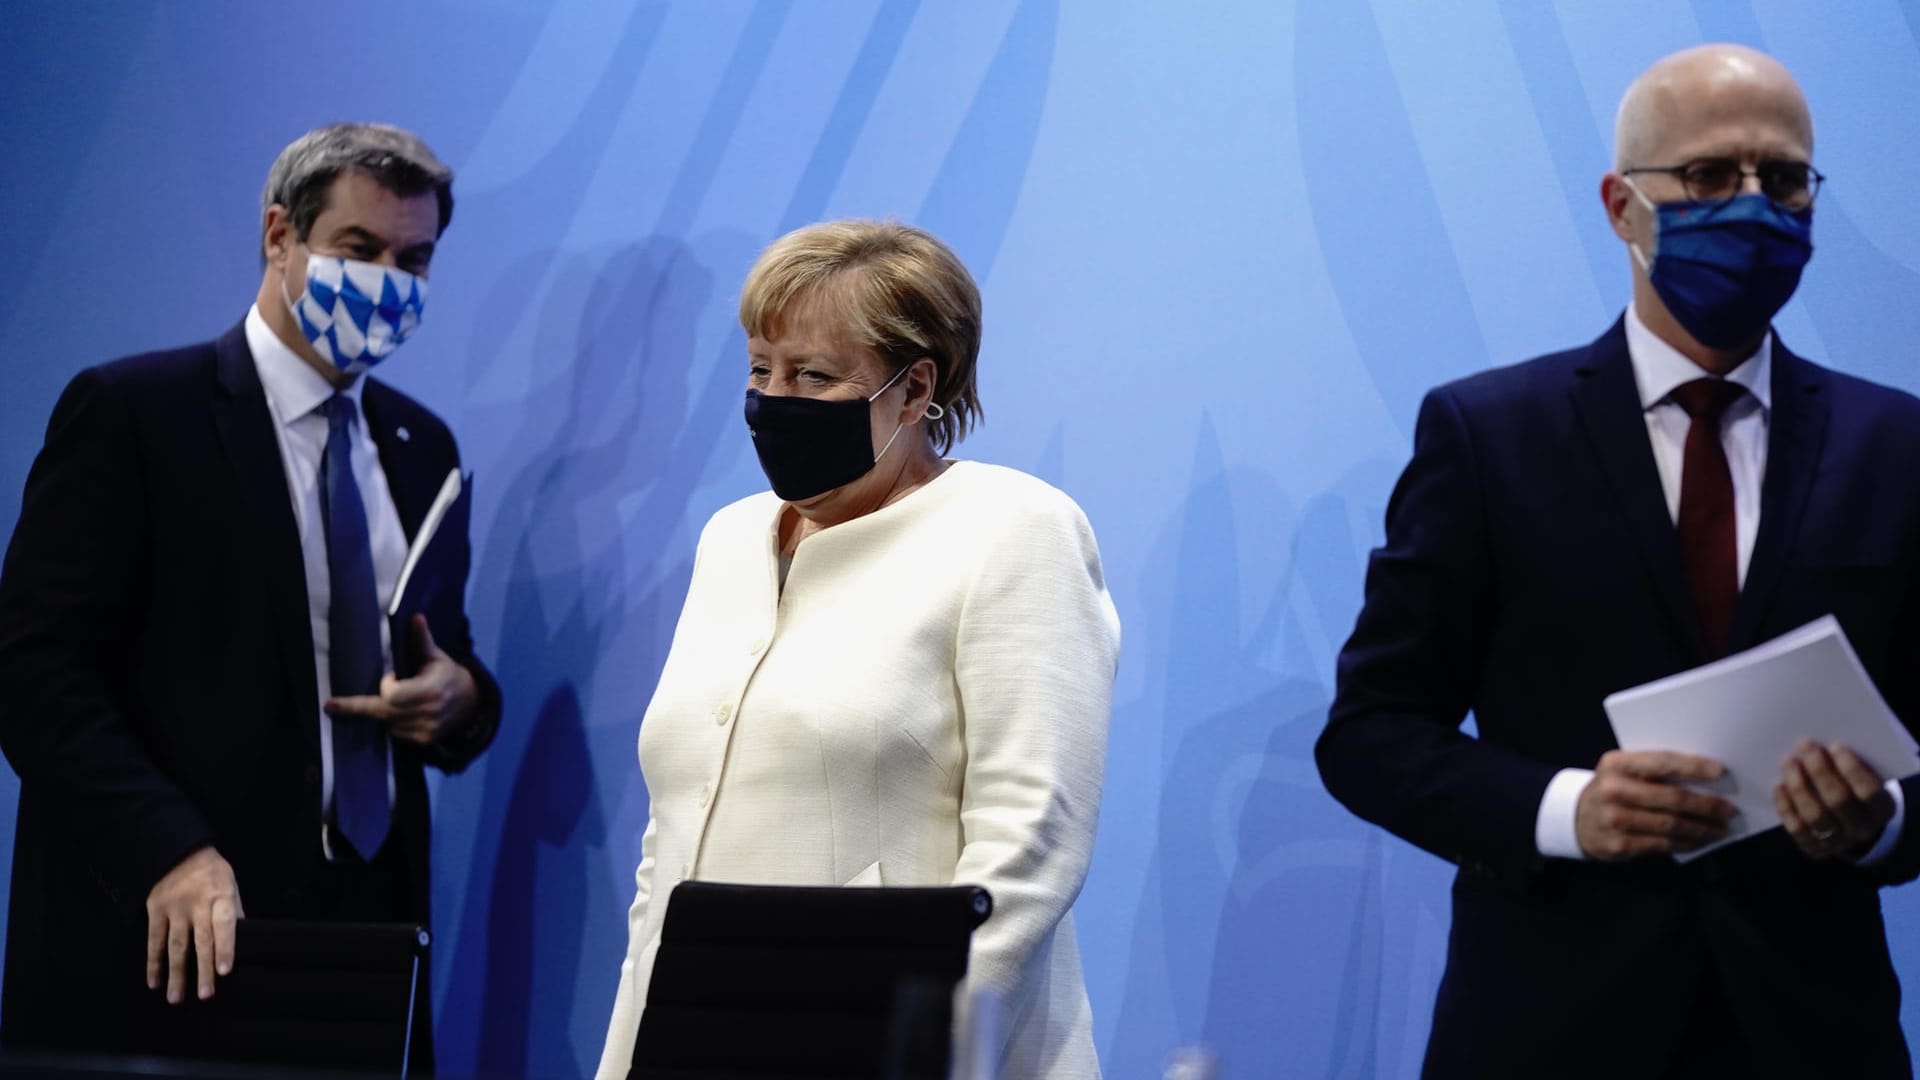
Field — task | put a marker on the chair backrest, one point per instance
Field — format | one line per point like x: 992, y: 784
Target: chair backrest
x: 772, y: 981
x: 312, y: 995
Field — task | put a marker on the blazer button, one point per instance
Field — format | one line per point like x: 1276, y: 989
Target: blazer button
x: 706, y: 795
x: 759, y: 646
x: 313, y: 776
x: 723, y: 714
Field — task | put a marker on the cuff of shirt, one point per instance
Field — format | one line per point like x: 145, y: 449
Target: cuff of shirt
x: 1890, y: 835
x: 1553, y: 828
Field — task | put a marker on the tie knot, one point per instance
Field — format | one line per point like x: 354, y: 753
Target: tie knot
x: 1707, y: 399
x: 339, y: 411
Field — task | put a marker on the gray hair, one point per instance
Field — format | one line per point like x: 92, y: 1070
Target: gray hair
x: 304, y: 172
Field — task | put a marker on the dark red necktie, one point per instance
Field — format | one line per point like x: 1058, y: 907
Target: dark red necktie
x: 1707, y: 532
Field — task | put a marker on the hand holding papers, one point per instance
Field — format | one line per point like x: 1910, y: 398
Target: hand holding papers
x: 1748, y: 711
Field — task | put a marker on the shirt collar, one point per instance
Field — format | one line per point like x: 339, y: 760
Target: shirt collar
x: 1659, y: 367
x: 291, y: 384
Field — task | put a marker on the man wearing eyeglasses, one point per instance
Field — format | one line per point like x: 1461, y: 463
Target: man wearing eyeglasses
x: 1682, y: 488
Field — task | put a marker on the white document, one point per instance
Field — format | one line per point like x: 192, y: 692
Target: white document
x: 1749, y: 710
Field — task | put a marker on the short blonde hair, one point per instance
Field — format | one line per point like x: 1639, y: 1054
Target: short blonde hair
x: 891, y: 287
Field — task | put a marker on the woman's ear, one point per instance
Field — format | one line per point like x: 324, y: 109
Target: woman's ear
x: 923, y: 378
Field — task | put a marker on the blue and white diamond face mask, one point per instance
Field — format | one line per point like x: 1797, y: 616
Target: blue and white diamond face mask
x: 356, y: 313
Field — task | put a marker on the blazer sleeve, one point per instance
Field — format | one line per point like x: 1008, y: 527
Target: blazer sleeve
x: 1901, y: 688
x: 1902, y: 864
x: 452, y: 751
x: 616, y: 1056
x: 623, y: 1029
x: 1393, y: 752
x: 1036, y: 648
x: 69, y: 592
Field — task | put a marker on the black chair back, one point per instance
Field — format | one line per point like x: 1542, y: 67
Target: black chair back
x: 765, y: 982
x: 328, y: 996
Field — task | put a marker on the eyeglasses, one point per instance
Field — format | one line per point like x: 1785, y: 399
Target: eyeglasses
x: 1792, y: 184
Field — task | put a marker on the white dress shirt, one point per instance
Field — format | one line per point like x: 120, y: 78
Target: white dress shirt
x: 295, y: 392
x: 1658, y: 368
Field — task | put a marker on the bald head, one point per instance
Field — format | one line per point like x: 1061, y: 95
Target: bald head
x: 1724, y: 89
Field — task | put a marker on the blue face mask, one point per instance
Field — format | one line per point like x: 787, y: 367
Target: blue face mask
x: 1724, y: 269
x: 356, y: 313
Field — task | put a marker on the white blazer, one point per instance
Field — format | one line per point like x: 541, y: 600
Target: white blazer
x: 925, y: 703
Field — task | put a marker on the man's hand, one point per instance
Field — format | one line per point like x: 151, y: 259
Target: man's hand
x: 1832, y: 803
x: 198, y: 902
x: 437, y: 699
x: 1633, y: 806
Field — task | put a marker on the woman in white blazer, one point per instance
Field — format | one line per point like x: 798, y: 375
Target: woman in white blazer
x: 894, y: 668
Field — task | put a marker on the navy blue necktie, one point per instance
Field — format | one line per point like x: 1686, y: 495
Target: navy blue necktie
x: 353, y: 632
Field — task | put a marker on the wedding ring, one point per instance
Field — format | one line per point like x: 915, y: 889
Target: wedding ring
x: 1822, y: 835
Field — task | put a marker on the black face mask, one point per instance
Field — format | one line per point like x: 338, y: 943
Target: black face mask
x: 809, y: 446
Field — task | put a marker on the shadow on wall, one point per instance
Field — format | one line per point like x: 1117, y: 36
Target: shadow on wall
x: 541, y: 881
x: 536, y: 815
x: 540, y: 925
x: 1267, y: 926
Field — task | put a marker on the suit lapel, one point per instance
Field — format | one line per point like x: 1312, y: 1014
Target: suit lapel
x: 245, y: 427
x: 408, y: 481
x: 1607, y: 401
x: 1796, y: 433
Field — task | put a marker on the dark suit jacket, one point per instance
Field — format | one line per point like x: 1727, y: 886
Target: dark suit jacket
x: 157, y: 669
x: 1530, y: 569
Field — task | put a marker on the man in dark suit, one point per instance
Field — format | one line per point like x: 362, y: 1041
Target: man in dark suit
x: 1679, y: 489
x: 195, y: 677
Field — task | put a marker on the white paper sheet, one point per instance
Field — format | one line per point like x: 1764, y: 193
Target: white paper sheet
x: 1748, y: 711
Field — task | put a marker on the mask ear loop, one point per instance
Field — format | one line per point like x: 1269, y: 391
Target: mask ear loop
x: 896, y: 428
x: 288, y: 300
x: 889, y: 443
x: 1639, y: 256
x: 885, y: 385
x: 322, y: 344
x: 933, y: 411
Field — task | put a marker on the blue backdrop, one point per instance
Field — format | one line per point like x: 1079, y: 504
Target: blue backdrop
x: 1224, y: 249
